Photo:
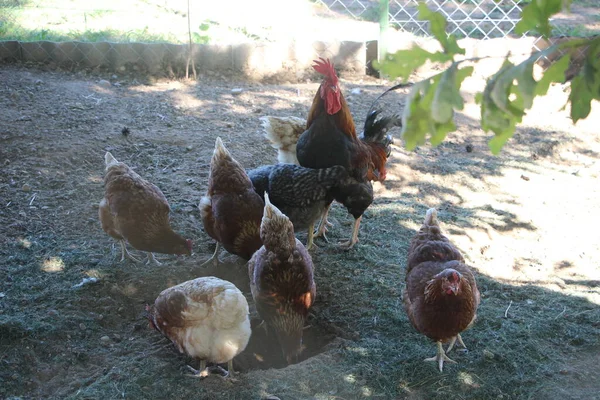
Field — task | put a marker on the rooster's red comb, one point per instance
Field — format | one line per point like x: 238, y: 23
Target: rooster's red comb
x: 325, y: 68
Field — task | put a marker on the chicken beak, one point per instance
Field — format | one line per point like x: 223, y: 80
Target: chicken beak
x: 454, y: 289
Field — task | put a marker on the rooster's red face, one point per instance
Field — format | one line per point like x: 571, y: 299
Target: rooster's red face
x: 329, y: 90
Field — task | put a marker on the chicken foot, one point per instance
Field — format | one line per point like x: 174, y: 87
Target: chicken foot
x: 202, y: 372
x: 453, y: 341
x: 354, y: 238
x: 440, y: 357
x: 205, y: 371
x: 152, y: 259
x: 324, y: 224
x: 215, y: 257
x: 125, y: 253
x: 310, y: 242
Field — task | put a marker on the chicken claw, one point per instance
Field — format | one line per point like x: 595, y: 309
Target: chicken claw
x: 324, y: 224
x: 214, y: 258
x: 205, y: 371
x: 440, y: 357
x: 200, y: 373
x: 354, y: 238
x: 453, y: 341
x: 152, y: 259
x: 126, y: 254
x: 310, y: 243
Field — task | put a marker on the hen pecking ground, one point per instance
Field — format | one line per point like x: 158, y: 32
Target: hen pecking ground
x: 524, y: 219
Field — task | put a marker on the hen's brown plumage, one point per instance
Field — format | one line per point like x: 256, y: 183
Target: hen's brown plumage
x: 441, y: 296
x: 135, y: 210
x: 281, y: 280
x: 231, y: 210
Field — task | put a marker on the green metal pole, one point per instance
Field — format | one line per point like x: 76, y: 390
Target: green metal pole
x: 384, y: 25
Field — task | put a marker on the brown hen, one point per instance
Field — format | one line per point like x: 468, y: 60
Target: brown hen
x: 441, y: 296
x: 136, y: 211
x: 231, y: 210
x: 281, y: 280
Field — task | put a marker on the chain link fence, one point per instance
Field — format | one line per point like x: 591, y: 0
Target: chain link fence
x: 153, y: 36
x: 157, y: 42
x: 479, y: 19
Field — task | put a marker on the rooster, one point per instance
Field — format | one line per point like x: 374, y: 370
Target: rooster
x: 330, y: 138
x: 136, y: 211
x: 281, y: 281
x: 206, y: 318
x: 231, y: 211
x: 441, y: 296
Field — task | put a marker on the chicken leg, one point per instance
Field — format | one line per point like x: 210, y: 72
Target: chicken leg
x: 152, y: 259
x: 453, y: 341
x: 324, y: 224
x: 215, y: 257
x: 354, y: 238
x: 310, y: 243
x: 204, y: 371
x: 440, y: 357
x: 125, y: 253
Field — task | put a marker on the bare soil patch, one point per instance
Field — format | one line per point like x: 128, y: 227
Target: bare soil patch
x: 525, y: 220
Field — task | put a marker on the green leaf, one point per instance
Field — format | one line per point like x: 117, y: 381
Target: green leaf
x: 523, y: 74
x: 418, y: 121
x: 415, y: 120
x: 581, y: 98
x: 447, y: 96
x: 404, y: 62
x: 437, y: 25
x: 585, y: 87
x: 536, y: 16
x: 554, y: 73
x: 497, y: 142
x: 440, y: 132
x: 500, y: 85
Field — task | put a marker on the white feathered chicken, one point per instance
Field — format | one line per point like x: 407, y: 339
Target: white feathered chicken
x: 206, y: 318
x: 283, y: 134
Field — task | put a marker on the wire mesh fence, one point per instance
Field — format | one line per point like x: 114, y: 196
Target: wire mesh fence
x: 466, y: 18
x: 155, y: 41
x: 480, y: 19
x: 153, y: 35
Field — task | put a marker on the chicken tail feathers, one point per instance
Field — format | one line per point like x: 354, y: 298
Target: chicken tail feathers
x: 431, y: 218
x: 109, y: 160
x: 220, y: 150
x: 283, y: 134
x: 377, y: 127
x: 276, y: 230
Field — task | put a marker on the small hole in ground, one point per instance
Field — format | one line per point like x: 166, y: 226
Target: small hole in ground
x: 263, y: 351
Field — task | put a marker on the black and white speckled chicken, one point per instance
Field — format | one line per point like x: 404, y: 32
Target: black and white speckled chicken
x: 302, y: 194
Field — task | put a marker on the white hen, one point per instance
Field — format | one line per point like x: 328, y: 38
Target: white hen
x: 206, y: 318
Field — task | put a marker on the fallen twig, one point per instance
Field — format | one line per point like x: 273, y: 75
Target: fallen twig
x: 561, y: 313
x: 507, y: 308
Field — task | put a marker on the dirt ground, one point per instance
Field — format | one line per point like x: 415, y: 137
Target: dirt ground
x: 525, y: 220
